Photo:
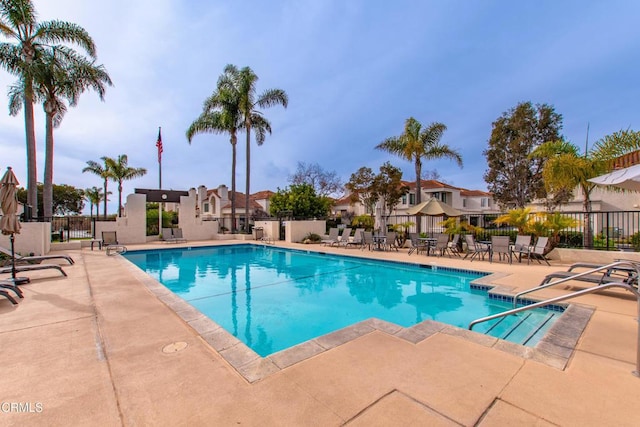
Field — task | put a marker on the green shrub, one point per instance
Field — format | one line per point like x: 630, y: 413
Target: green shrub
x: 634, y: 240
x: 312, y: 238
x: 363, y: 221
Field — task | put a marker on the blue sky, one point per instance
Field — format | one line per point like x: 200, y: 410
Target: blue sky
x: 354, y: 72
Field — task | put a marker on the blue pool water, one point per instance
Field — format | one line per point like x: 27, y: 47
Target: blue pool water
x: 272, y: 298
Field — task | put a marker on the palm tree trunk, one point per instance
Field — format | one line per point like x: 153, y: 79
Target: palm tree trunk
x: 246, y: 197
x: 233, y: 182
x: 106, y: 181
x: 32, y: 178
x: 418, y: 193
x: 47, y: 193
x: 119, y: 199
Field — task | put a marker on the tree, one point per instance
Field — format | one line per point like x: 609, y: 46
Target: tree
x: 245, y: 81
x: 119, y: 170
x: 103, y: 172
x: 18, y: 23
x: 301, y: 200
x: 325, y: 183
x: 417, y: 143
x: 389, y: 188
x: 512, y: 177
x: 360, y: 187
x: 94, y: 195
x: 61, y: 74
x: 566, y: 168
x: 66, y: 199
x: 221, y: 114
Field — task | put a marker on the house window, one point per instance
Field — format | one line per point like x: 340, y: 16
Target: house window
x: 205, y: 207
x: 484, y: 202
x: 412, y: 199
x: 404, y: 199
x: 464, y: 203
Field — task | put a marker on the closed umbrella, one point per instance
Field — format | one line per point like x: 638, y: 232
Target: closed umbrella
x: 433, y: 207
x: 9, y: 224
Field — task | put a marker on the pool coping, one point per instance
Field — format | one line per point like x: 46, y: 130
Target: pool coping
x: 555, y: 349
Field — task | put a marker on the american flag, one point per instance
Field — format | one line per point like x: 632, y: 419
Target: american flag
x: 159, y: 145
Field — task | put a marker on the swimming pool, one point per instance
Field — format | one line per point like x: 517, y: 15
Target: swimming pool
x: 273, y: 298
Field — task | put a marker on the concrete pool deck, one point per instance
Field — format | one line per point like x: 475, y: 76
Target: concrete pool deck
x: 88, y: 350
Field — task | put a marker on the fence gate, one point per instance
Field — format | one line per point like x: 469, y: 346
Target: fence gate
x: 65, y: 228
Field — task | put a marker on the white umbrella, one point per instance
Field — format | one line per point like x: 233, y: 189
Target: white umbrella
x: 627, y: 178
x: 433, y: 207
x: 9, y: 224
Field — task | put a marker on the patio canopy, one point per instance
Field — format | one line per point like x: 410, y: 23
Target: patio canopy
x: 627, y: 178
x: 433, y: 207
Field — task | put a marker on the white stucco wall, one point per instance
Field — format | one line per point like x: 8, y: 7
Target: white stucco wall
x: 194, y: 228
x: 132, y: 227
x: 295, y: 231
x: 271, y: 229
x: 34, y: 237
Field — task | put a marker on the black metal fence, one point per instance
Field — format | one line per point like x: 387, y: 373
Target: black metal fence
x: 65, y: 228
x: 613, y: 230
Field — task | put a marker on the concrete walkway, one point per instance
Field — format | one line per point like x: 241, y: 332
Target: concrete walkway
x: 88, y: 350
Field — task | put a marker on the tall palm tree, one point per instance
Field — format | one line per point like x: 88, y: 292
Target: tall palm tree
x: 221, y: 114
x: 245, y: 81
x: 61, y: 75
x: 119, y: 170
x: 417, y: 143
x: 28, y: 37
x: 103, y: 172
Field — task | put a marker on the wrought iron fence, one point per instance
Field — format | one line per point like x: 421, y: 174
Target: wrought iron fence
x: 67, y: 228
x: 611, y: 230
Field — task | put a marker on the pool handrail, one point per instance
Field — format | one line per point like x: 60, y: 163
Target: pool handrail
x: 596, y: 288
x: 633, y: 266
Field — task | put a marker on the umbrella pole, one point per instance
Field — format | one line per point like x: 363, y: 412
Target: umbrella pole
x: 14, y: 279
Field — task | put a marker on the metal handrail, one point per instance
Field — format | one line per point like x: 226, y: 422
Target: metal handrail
x: 626, y: 286
x: 611, y: 266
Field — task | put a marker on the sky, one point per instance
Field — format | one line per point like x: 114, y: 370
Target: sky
x: 353, y: 70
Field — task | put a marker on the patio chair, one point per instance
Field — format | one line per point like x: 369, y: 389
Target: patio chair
x: 500, y: 245
x: 474, y: 248
x: 455, y: 245
x: 332, y: 238
x: 391, y: 241
x: 32, y: 267
x: 109, y: 238
x: 367, y: 240
x: 173, y: 235
x: 522, y: 245
x: 357, y: 238
x: 35, y: 258
x: 417, y: 245
x: 442, y: 245
x: 539, y: 251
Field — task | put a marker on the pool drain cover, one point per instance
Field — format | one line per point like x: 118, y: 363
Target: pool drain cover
x: 174, y: 347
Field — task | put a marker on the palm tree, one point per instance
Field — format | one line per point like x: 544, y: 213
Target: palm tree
x: 18, y: 23
x: 119, y: 170
x: 103, y: 172
x: 244, y: 81
x: 94, y: 196
x: 416, y: 144
x: 221, y: 114
x: 61, y: 74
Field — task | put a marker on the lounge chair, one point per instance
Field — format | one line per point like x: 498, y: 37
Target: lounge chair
x: 332, y: 238
x: 367, y: 240
x: 35, y: 258
x: 591, y: 278
x: 357, y: 238
x: 172, y: 235
x: 109, y: 238
x: 474, y: 248
x: 391, y: 241
x: 344, y: 239
x: 500, y: 245
x: 5, y: 284
x: 32, y: 267
x: 538, y: 251
x: 521, y: 246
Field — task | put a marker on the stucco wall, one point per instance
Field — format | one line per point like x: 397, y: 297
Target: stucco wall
x: 131, y: 228
x: 34, y: 237
x: 194, y: 228
x: 295, y: 231
x: 270, y: 228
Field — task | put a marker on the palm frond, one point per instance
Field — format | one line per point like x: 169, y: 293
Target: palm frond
x: 55, y: 32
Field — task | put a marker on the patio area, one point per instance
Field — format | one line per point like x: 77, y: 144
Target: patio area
x: 100, y: 348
